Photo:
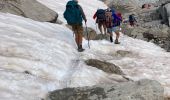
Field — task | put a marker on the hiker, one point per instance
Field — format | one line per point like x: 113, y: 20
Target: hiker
x: 109, y: 22
x: 132, y: 20
x: 100, y: 20
x: 74, y: 15
x: 117, y: 19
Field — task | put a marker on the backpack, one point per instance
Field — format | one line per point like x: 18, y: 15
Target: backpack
x: 73, y: 13
x: 117, y: 22
x: 109, y: 19
x: 100, y: 15
x: 131, y: 18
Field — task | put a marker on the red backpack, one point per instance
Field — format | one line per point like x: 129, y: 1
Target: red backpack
x: 118, y: 22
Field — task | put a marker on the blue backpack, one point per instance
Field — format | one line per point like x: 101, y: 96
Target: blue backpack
x: 73, y: 13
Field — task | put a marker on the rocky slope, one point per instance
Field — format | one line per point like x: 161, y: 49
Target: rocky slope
x: 149, y: 25
x: 140, y: 90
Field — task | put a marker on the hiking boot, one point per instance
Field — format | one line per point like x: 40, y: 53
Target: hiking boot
x: 111, y: 39
x: 117, y: 42
x: 80, y: 49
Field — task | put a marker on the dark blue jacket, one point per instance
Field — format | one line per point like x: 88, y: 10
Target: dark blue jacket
x: 115, y: 20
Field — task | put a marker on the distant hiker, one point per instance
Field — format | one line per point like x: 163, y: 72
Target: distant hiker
x: 132, y: 20
x: 100, y: 20
x: 74, y: 15
x: 117, y: 19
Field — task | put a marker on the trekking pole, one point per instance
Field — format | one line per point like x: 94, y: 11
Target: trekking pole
x: 87, y: 36
x: 96, y: 27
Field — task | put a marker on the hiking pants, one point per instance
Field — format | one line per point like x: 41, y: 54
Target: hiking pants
x: 78, y: 31
x: 100, y: 24
x: 132, y: 23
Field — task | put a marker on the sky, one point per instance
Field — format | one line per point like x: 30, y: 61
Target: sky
x: 47, y: 52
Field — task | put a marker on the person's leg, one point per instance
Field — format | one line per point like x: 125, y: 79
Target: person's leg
x: 75, y: 30
x: 80, y: 38
x: 100, y: 27
x: 117, y: 30
x: 131, y: 23
x: 111, y: 38
x: 109, y: 30
x: 104, y: 27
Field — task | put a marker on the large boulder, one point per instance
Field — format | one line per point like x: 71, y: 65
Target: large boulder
x: 30, y: 9
x: 140, y: 90
x: 164, y: 11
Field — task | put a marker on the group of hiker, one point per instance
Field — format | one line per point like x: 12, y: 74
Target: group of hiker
x: 108, y: 19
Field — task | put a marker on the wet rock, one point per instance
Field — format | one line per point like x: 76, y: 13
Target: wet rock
x: 29, y: 9
x: 89, y: 33
x: 105, y: 66
x: 140, y: 90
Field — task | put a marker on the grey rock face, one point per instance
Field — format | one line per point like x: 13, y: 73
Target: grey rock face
x: 157, y: 35
x: 105, y: 66
x: 140, y: 90
x: 164, y: 11
x: 30, y: 9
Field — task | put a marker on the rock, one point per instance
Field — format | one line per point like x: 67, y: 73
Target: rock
x: 140, y: 90
x: 102, y: 36
x: 151, y: 31
x: 91, y: 33
x: 105, y: 66
x: 136, y: 32
x: 29, y: 9
x: 123, y: 53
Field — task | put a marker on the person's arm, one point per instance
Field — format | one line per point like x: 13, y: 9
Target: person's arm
x: 94, y: 16
x: 135, y: 19
x: 83, y: 15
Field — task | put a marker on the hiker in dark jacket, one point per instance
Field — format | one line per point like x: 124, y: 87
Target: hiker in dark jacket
x: 132, y: 20
x: 74, y: 16
x: 100, y: 20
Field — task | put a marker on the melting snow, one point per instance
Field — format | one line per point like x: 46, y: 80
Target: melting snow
x: 37, y: 57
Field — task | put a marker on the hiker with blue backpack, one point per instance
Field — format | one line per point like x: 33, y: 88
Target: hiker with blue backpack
x: 113, y: 24
x: 117, y: 19
x: 74, y: 15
